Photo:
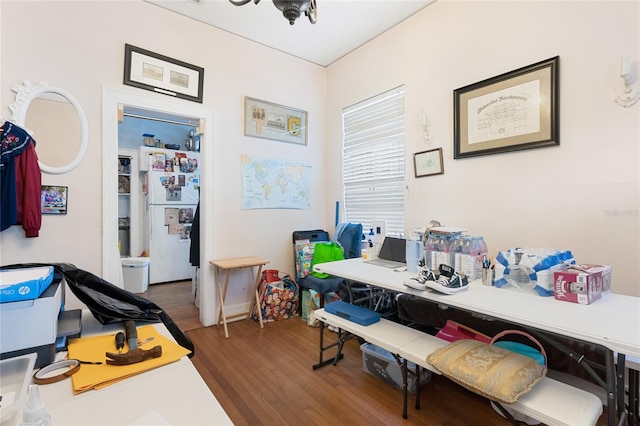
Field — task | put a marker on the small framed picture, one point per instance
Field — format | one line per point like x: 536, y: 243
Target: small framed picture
x: 428, y: 163
x: 54, y: 199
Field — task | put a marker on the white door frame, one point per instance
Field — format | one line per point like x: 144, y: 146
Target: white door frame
x: 111, y: 266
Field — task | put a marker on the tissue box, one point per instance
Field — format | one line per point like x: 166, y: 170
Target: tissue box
x: 606, y: 277
x: 582, y: 284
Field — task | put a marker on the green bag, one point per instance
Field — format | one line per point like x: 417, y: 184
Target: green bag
x: 323, y: 253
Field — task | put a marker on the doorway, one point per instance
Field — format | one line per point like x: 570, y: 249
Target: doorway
x: 158, y: 191
x: 113, y: 103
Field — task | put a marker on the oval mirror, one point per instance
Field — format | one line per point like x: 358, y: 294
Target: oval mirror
x: 54, y: 114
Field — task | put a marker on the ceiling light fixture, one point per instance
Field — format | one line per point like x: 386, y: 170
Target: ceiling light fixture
x: 291, y: 9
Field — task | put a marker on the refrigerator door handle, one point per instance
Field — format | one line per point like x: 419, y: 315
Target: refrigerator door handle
x: 150, y: 214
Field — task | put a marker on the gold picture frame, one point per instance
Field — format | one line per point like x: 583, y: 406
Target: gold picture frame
x: 267, y: 120
x: 514, y: 111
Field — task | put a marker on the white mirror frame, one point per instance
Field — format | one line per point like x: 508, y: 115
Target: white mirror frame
x: 27, y: 92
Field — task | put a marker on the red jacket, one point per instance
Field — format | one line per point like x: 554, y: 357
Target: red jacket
x: 28, y: 189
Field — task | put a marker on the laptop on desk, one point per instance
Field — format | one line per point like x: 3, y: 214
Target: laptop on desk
x: 392, y: 253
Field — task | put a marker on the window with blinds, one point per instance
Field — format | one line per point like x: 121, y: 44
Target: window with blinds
x: 373, y: 161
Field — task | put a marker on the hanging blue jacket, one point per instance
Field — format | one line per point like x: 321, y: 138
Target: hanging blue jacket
x: 349, y: 235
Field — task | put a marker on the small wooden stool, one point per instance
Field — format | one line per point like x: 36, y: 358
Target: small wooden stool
x: 237, y: 263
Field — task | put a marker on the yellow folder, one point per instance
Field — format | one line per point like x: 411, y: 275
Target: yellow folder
x: 94, y: 348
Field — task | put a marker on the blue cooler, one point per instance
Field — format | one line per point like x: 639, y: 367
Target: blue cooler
x: 357, y: 314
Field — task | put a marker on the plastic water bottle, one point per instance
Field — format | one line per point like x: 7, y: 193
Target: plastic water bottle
x: 429, y: 245
x: 481, y: 254
x: 371, y: 237
x: 456, y: 251
x: 414, y: 254
x: 442, y: 253
x: 468, y: 258
x: 435, y: 246
x: 483, y: 246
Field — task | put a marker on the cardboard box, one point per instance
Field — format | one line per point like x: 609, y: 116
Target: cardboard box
x: 606, y: 277
x: 380, y: 363
x: 582, y: 284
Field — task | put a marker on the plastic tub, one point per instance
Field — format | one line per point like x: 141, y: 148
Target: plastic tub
x: 381, y: 363
x: 135, y: 272
x: 15, y: 376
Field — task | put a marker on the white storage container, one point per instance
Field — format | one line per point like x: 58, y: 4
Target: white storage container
x: 380, y: 363
x: 15, y: 376
x: 135, y: 272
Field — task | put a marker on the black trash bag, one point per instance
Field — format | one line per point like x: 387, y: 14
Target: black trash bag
x: 109, y: 303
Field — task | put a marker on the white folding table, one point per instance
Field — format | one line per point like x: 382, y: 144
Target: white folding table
x: 612, y: 322
x: 173, y: 394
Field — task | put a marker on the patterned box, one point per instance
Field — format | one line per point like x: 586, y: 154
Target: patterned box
x: 582, y: 284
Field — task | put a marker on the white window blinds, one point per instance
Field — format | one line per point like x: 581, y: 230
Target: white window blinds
x: 373, y: 156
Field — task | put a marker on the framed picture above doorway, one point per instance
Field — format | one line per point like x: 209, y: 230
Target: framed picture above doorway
x: 158, y: 73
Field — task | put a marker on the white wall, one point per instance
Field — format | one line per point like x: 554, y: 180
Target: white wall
x: 79, y: 46
x: 582, y: 195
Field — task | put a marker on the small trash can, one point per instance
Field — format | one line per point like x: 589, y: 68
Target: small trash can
x: 135, y: 272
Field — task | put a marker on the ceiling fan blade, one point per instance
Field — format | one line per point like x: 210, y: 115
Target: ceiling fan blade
x: 312, y: 12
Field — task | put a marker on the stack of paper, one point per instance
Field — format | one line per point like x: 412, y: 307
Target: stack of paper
x: 93, y: 349
x: 24, y: 283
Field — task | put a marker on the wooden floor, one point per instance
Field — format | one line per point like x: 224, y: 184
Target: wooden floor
x: 176, y: 299
x: 265, y: 376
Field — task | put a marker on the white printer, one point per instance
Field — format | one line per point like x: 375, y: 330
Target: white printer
x: 30, y: 304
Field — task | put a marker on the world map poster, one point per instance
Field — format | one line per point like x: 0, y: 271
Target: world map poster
x: 270, y: 183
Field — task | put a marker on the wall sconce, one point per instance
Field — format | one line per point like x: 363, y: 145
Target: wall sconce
x: 425, y: 127
x: 627, y: 89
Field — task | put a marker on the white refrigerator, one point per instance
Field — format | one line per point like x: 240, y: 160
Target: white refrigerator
x: 171, y: 197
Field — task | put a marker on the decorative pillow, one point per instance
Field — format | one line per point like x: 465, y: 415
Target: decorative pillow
x: 495, y: 373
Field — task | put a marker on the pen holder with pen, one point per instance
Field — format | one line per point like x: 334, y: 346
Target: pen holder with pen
x: 488, y: 276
